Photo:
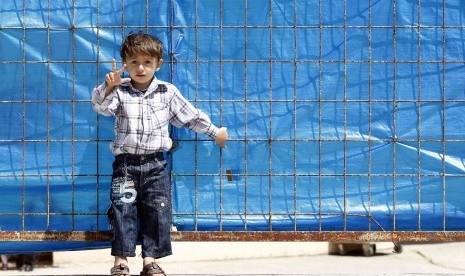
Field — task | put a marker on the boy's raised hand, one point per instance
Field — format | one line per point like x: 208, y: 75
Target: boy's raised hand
x: 113, y: 78
x: 222, y: 137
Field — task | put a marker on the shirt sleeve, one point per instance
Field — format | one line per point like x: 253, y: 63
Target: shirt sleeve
x: 104, y: 105
x: 184, y: 114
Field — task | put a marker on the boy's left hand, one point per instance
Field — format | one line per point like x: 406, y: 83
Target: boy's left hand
x: 222, y: 137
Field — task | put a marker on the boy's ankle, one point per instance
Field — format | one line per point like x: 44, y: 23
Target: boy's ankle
x: 148, y: 260
x: 120, y: 260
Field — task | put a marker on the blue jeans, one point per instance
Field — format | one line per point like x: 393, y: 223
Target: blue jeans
x: 140, y: 200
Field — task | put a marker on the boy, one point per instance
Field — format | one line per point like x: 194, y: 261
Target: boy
x: 140, y: 188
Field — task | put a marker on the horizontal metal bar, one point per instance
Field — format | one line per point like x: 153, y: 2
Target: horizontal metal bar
x: 368, y: 139
x: 334, y: 236
x: 241, y: 61
x: 225, y: 174
x: 225, y: 26
x: 341, y: 100
x: 288, y: 236
x: 364, y: 175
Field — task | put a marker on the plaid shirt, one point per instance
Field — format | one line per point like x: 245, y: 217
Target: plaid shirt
x: 141, y: 125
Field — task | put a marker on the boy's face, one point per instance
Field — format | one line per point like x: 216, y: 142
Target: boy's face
x: 141, y: 69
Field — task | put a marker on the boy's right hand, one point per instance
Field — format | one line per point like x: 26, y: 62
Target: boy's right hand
x: 222, y: 137
x: 113, y: 78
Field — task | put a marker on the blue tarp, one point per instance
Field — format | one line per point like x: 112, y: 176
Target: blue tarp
x: 342, y: 116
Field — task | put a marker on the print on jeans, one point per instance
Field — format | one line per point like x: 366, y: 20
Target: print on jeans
x: 123, y: 190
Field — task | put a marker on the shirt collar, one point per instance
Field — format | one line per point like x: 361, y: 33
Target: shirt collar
x: 152, y: 87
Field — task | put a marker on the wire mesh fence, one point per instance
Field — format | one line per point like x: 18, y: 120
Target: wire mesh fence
x: 344, y: 117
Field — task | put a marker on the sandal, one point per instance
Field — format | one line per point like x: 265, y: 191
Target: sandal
x: 152, y: 269
x: 120, y: 270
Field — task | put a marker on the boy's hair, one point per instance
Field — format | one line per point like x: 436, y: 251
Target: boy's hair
x: 141, y: 44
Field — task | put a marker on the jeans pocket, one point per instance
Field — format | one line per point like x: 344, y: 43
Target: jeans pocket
x: 117, y: 164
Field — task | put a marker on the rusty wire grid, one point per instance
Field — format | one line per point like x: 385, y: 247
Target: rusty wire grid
x: 374, y: 231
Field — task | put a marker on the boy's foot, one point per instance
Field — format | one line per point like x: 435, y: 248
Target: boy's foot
x: 152, y: 269
x: 25, y: 267
x: 28, y: 267
x: 120, y: 270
